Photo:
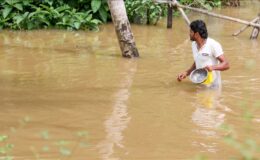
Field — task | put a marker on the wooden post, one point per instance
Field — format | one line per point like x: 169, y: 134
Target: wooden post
x: 169, y: 16
x: 123, y: 28
x: 234, y: 3
x: 175, y: 3
x: 255, y: 31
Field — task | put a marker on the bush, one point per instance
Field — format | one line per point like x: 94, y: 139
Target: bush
x: 80, y: 14
x: 144, y: 11
x: 68, y: 14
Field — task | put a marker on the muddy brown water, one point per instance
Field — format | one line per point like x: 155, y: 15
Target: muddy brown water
x: 70, y: 95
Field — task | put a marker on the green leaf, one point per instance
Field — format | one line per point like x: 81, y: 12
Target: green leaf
x: 83, y: 144
x: 62, y: 8
x: 7, y: 148
x: 18, y: 19
x: 3, y: 150
x: 8, y: 158
x: 10, y: 2
x: 96, y: 21
x: 3, y: 138
x: 19, y: 6
x: 26, y: 2
x: 45, y: 135
x: 208, y: 7
x: 7, y: 11
x: 82, y: 133
x: 95, y: 5
x: 65, y: 151
x: 31, y: 25
x: 77, y: 25
x: 63, y: 143
x: 45, y: 148
x: 251, y: 143
x: 26, y: 118
x: 89, y: 17
x: 103, y: 14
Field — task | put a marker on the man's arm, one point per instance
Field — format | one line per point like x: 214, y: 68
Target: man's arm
x: 193, y: 66
x: 183, y: 75
x: 223, y: 65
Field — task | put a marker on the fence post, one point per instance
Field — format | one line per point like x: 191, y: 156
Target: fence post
x: 255, y: 31
x: 169, y: 16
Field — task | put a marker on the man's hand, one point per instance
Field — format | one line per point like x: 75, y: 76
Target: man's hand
x: 182, y: 76
x: 209, y: 68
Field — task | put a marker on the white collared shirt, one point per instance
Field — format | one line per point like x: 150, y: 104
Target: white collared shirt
x: 207, y: 56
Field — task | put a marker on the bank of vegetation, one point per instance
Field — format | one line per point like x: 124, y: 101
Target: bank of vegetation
x: 82, y: 14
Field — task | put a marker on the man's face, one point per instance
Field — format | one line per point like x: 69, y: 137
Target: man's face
x: 192, y: 35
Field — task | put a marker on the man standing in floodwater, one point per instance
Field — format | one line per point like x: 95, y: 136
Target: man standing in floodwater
x: 207, y: 53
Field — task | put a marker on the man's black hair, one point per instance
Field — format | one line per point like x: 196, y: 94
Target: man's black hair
x: 200, y: 27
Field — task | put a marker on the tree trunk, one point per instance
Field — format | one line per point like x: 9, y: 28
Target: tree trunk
x: 123, y: 28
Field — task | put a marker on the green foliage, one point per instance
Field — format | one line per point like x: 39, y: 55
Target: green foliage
x: 81, y: 14
x: 144, y: 11
x: 69, y: 14
x: 45, y: 135
x: 62, y: 146
x: 3, y: 138
x: 5, y: 148
x: 206, y: 4
x: 200, y: 157
x: 247, y: 146
x: 65, y: 151
x: 95, y: 5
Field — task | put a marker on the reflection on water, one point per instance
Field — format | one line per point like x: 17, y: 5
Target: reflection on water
x: 119, y: 118
x: 206, y: 114
x: 207, y: 117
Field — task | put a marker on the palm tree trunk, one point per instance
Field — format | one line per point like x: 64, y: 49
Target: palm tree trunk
x: 123, y: 28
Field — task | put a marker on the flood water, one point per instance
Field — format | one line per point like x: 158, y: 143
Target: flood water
x: 70, y: 95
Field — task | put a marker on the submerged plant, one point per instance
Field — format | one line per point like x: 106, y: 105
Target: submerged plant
x: 247, y: 146
x: 5, y: 148
x: 62, y: 146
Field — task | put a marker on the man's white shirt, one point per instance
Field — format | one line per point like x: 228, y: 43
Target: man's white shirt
x: 207, y: 56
